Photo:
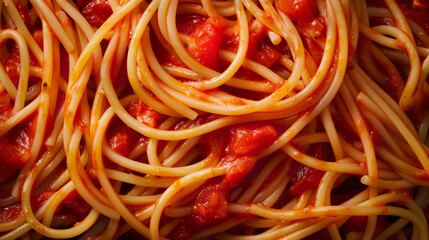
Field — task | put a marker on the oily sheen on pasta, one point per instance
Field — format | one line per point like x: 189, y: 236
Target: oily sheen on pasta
x: 226, y: 119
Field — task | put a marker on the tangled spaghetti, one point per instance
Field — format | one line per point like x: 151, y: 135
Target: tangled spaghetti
x: 186, y: 119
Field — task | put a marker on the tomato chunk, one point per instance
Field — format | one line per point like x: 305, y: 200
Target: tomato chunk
x: 6, y: 106
x: 15, y: 147
x: 210, y: 206
x: 248, y: 138
x: 96, y: 12
x: 207, y: 37
x: 144, y: 114
x: 315, y: 50
x: 77, y: 204
x: 239, y: 147
x: 120, y: 137
x: 10, y: 212
x: 37, y: 201
x: 186, y: 23
x: 305, y: 177
x: 301, y: 11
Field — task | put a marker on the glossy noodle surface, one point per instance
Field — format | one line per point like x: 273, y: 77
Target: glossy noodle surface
x: 235, y: 119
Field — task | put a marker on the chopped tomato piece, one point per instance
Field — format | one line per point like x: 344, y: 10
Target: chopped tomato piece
x: 6, y: 106
x: 144, y: 114
x: 236, y: 169
x: 315, y: 50
x: 260, y: 48
x: 15, y: 147
x: 186, y: 23
x: 95, y: 11
x: 24, y: 12
x: 248, y: 138
x: 38, y: 200
x: 210, y: 205
x: 77, y: 204
x: 267, y: 56
x: 204, y: 46
x: 238, y: 148
x: 121, y: 138
x: 305, y: 177
x: 12, y: 64
x: 301, y: 11
x: 10, y: 212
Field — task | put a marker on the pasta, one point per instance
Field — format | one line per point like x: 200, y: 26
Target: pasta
x: 237, y: 119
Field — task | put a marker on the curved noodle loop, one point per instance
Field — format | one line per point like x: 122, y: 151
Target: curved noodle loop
x: 234, y: 119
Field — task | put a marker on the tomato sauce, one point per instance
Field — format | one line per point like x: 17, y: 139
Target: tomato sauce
x: 305, y: 177
x: 418, y: 11
x: 96, y: 12
x: 238, y: 148
x: 122, y: 138
x: 205, y: 42
x: 10, y: 212
x: 301, y: 11
x: 77, y: 204
x: 15, y: 147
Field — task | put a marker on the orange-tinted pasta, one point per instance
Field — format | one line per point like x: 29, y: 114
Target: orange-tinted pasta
x: 186, y: 119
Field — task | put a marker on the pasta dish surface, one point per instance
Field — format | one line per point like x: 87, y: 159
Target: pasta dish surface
x: 225, y: 119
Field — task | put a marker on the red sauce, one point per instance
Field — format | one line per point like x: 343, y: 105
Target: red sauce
x: 77, y: 204
x: 313, y: 48
x: 15, y: 147
x: 205, y: 37
x: 417, y: 10
x: 24, y: 12
x: 122, y: 138
x: 305, y: 177
x: 6, y: 106
x: 10, y: 212
x: 144, y: 114
x: 260, y: 49
x: 96, y: 12
x: 238, y: 147
x: 205, y: 42
x: 187, y: 23
x: 301, y: 11
x: 38, y: 200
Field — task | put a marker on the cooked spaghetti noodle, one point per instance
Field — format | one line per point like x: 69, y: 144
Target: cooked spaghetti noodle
x: 237, y: 119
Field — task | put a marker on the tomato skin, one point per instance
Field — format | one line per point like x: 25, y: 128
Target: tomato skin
x: 144, y: 114
x: 24, y: 12
x: 210, y: 205
x: 6, y: 106
x: 236, y: 169
x: 15, y: 147
x: 260, y: 49
x: 77, y: 204
x: 187, y: 23
x: 207, y: 37
x: 10, y: 212
x: 120, y: 137
x: 96, y: 12
x: 305, y: 177
x: 248, y: 138
x: 38, y: 200
x: 315, y: 50
x: 238, y: 147
x: 301, y: 11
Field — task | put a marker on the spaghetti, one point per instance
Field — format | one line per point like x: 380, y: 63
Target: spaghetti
x: 183, y: 119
